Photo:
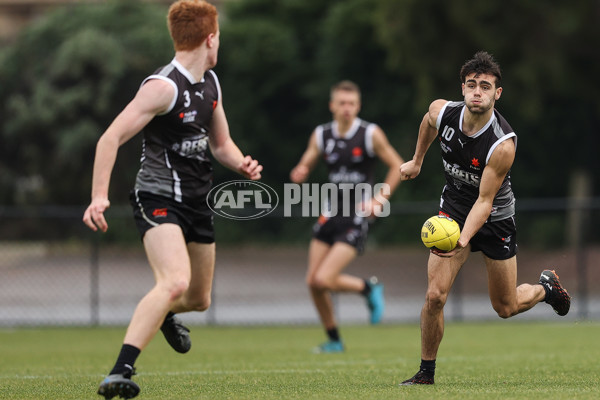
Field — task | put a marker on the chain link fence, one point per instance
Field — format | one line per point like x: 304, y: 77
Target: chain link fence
x: 64, y: 274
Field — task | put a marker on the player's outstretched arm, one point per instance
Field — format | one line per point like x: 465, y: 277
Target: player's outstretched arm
x: 152, y: 98
x: 307, y: 162
x: 390, y: 157
x: 427, y: 134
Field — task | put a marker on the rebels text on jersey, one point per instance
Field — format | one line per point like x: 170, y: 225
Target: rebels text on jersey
x: 464, y: 158
x: 175, y: 157
x: 351, y: 158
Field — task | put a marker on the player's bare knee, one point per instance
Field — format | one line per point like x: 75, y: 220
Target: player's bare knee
x: 435, y: 300
x: 177, y: 289
x: 319, y: 283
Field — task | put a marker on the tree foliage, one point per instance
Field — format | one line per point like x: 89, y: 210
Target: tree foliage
x: 278, y: 62
x: 68, y: 76
x: 404, y: 54
x: 64, y: 80
x: 548, y: 56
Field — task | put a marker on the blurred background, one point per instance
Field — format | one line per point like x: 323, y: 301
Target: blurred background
x: 67, y: 68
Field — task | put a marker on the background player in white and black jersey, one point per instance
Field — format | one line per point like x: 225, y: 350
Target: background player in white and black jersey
x: 478, y: 149
x: 180, y: 111
x: 349, y: 147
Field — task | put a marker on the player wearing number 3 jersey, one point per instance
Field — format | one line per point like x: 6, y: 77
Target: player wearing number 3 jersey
x: 180, y: 111
x: 478, y: 148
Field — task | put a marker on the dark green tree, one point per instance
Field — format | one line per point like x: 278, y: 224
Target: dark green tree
x: 63, y: 81
x: 549, y: 57
x: 68, y: 76
x: 280, y: 58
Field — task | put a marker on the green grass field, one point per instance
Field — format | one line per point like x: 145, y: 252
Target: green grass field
x: 500, y: 360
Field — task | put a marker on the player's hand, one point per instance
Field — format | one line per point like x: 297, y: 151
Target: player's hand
x: 409, y: 170
x: 299, y: 173
x: 93, y: 217
x: 250, y: 168
x: 447, y: 254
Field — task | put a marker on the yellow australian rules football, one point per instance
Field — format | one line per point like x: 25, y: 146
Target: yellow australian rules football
x: 440, y: 232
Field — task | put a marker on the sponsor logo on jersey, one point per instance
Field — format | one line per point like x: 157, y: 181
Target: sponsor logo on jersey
x: 344, y: 176
x: 475, y: 163
x: 191, y: 147
x: 460, y: 175
x: 188, y: 116
x: 445, y: 147
x: 357, y: 154
x: 331, y: 158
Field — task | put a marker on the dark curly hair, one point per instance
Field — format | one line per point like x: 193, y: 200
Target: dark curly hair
x: 481, y: 63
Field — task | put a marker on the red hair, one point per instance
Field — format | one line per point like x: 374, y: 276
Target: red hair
x: 190, y: 22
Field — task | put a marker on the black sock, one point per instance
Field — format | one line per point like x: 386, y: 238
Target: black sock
x: 367, y: 290
x: 333, y: 334
x: 428, y: 366
x: 125, y: 361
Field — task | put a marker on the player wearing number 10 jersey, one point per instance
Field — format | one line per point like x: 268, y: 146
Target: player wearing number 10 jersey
x: 478, y: 148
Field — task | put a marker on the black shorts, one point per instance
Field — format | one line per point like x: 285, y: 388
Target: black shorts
x: 350, y: 230
x: 150, y: 210
x: 497, y: 240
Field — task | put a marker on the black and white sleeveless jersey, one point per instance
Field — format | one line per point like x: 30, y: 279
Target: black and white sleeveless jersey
x: 349, y: 159
x: 175, y: 158
x: 464, y: 159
